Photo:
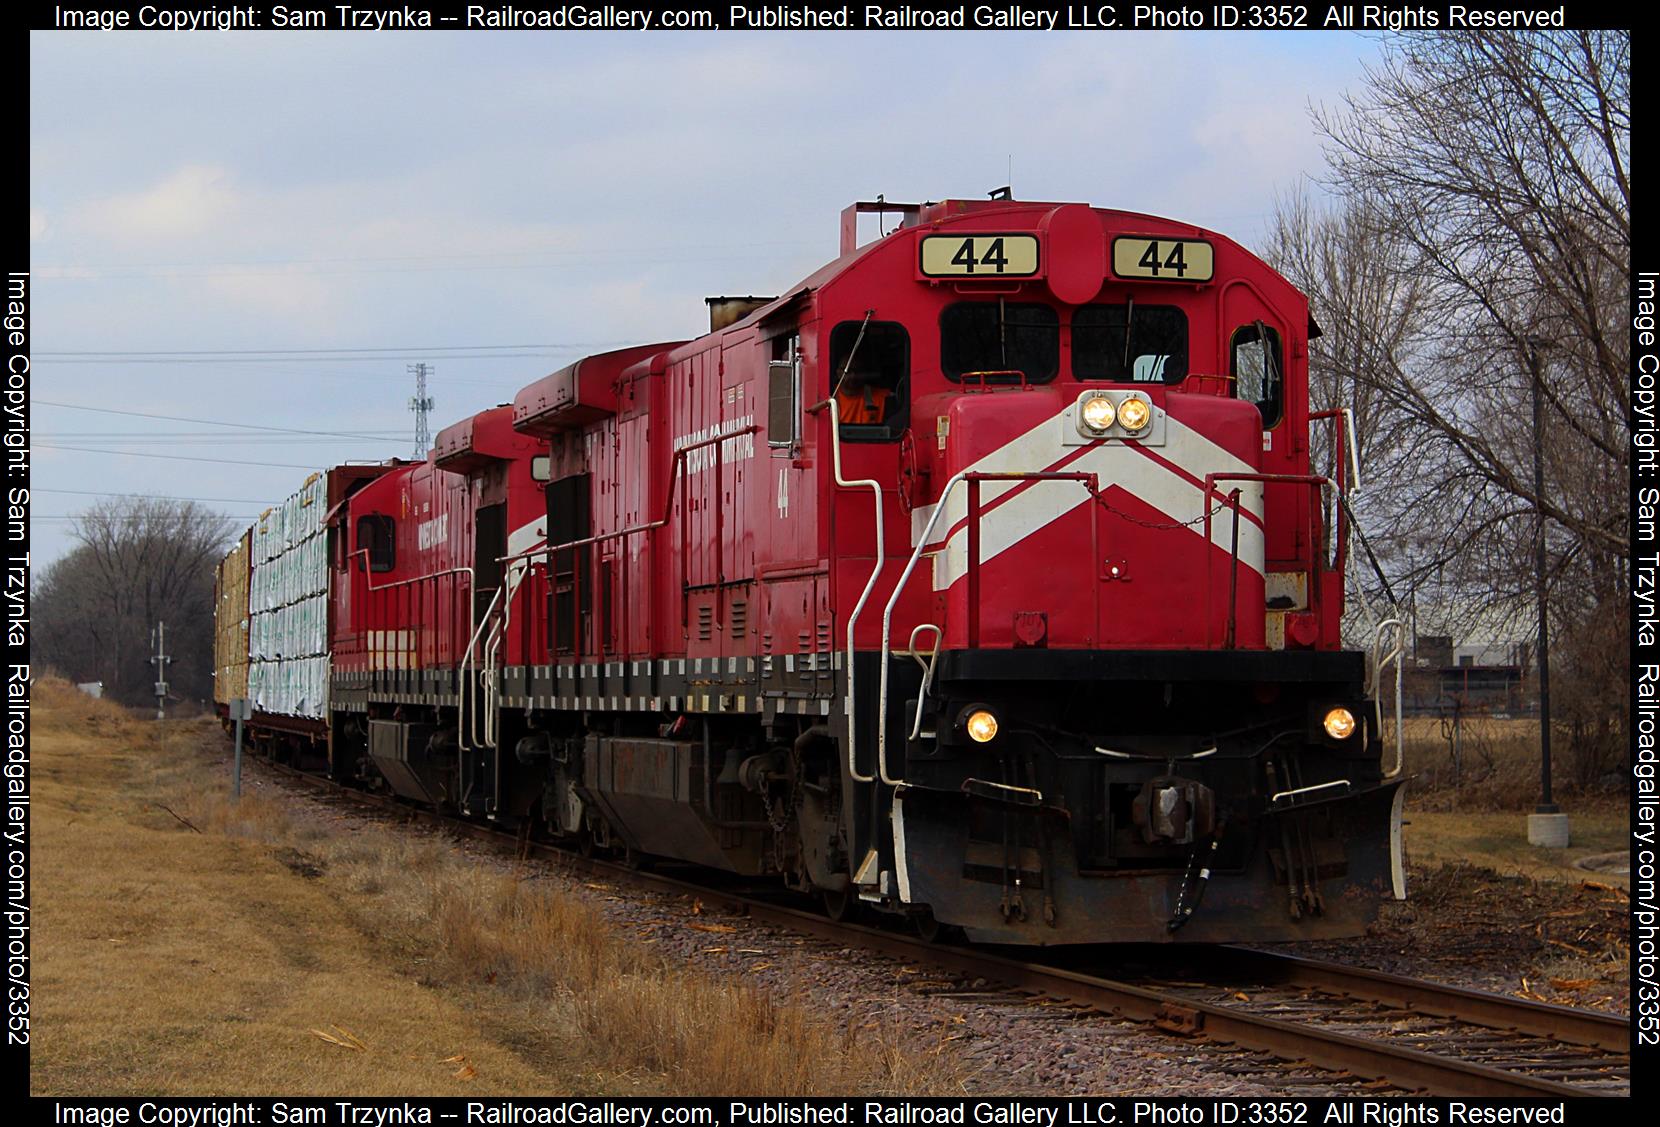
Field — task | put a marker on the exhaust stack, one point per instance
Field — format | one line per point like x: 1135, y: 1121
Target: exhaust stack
x: 724, y: 311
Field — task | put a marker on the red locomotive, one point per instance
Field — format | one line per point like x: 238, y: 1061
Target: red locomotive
x: 983, y: 577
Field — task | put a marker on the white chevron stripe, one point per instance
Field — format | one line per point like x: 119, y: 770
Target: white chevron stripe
x: 1119, y: 468
x: 522, y: 539
x: 526, y: 536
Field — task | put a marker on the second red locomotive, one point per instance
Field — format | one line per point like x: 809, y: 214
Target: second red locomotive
x: 983, y: 577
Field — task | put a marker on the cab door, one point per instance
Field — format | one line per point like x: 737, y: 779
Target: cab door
x: 1259, y: 351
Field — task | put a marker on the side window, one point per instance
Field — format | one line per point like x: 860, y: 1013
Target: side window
x: 375, y: 538
x: 870, y: 379
x: 1130, y: 343
x: 1258, y: 369
x: 999, y: 341
x: 784, y: 391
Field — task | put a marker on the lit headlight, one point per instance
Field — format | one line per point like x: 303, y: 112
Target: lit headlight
x: 981, y: 725
x: 1339, y: 723
x: 1134, y: 414
x: 1097, y: 412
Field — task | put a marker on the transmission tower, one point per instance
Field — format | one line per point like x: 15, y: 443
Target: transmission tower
x: 421, y: 404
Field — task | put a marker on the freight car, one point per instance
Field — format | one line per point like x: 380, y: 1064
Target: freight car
x: 984, y: 577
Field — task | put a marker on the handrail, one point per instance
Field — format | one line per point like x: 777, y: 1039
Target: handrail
x: 927, y: 669
x: 492, y: 692
x: 1275, y: 798
x: 674, y: 475
x: 1347, y: 484
x: 887, y: 615
x: 1346, y: 439
x: 1233, y: 572
x: 370, y: 587
x: 1313, y: 481
x: 492, y: 632
x: 1090, y: 482
x: 462, y: 728
x: 373, y: 586
x: 1379, y: 660
x: 864, y: 596
x: 512, y: 580
x: 1381, y: 655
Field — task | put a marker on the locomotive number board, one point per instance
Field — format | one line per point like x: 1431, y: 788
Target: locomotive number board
x: 1168, y: 260
x: 979, y: 256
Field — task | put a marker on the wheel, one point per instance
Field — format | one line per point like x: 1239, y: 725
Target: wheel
x: 928, y: 928
x: 840, y: 906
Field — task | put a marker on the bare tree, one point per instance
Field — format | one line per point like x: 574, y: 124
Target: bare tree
x: 1483, y: 226
x: 139, y: 561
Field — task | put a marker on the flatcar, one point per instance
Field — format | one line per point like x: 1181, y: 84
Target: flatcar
x: 985, y: 577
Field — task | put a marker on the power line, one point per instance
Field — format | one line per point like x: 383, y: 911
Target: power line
x: 217, y: 436
x: 170, y: 358
x: 301, y: 367
x: 413, y: 264
x: 158, y: 497
x: 173, y: 457
x: 208, y: 422
x: 605, y: 253
x: 206, y: 438
x: 326, y: 351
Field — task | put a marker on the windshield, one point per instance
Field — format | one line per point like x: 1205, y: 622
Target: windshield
x: 1130, y: 343
x: 1000, y: 338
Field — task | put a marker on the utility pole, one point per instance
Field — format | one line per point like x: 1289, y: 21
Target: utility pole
x: 1547, y: 825
x: 421, y: 404
x: 158, y: 638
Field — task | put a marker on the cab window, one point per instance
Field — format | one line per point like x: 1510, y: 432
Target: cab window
x: 999, y: 342
x: 1130, y: 343
x: 1258, y: 369
x: 870, y: 366
x: 784, y: 392
x: 375, y: 540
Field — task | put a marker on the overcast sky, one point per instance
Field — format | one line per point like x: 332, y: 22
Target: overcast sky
x: 449, y: 196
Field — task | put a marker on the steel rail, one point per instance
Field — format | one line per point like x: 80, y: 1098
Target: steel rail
x: 1479, y: 1007
x: 1170, y: 1011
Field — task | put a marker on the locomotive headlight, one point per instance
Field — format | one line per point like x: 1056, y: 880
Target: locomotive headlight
x: 1096, y: 412
x: 1339, y: 723
x: 1134, y: 414
x: 980, y: 723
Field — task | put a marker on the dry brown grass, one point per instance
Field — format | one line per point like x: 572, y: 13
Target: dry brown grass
x: 1496, y: 768
x: 402, y: 941
x: 182, y: 961
x: 1475, y: 810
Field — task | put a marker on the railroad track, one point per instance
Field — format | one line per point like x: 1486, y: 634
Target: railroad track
x: 1539, y: 1047
x: 1386, y: 1029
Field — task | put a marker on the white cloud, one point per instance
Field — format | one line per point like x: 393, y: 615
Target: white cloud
x: 191, y: 201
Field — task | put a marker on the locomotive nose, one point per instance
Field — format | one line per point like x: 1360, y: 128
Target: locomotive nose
x: 1090, y: 516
